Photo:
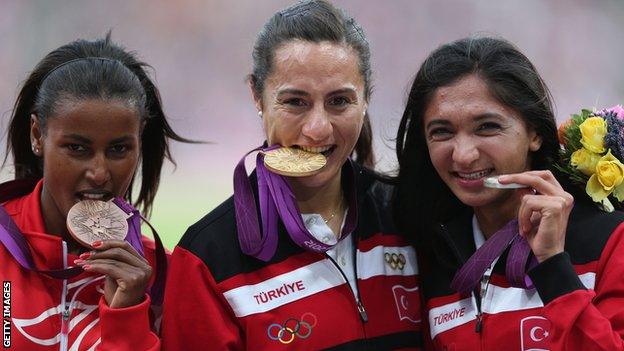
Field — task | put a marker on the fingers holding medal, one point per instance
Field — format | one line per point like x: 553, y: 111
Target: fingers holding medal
x: 543, y: 213
x: 103, y: 226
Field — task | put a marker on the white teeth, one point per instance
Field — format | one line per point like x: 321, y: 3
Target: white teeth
x: 93, y: 196
x: 474, y: 175
x: 315, y: 149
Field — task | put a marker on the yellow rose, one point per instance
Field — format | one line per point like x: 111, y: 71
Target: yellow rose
x: 609, y: 175
x: 593, y: 131
x: 585, y: 161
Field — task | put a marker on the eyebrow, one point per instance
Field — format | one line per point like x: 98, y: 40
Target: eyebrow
x: 478, y: 118
x: 304, y: 93
x: 88, y: 141
x: 437, y: 122
x: 79, y: 138
x: 343, y: 91
x: 487, y: 115
x: 292, y: 92
x: 122, y: 139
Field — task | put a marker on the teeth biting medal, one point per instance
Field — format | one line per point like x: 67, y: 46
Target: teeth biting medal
x: 292, y: 162
x: 92, y: 220
x: 258, y: 230
x: 492, y: 182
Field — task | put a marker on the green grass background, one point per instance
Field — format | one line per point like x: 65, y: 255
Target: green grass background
x: 181, y: 201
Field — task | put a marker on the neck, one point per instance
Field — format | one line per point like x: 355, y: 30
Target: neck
x: 493, y: 217
x: 55, y: 223
x: 323, y: 200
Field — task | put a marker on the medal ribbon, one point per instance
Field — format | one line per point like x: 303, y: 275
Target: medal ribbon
x: 134, y: 238
x: 134, y: 224
x: 14, y: 241
x: 469, y: 275
x: 277, y: 201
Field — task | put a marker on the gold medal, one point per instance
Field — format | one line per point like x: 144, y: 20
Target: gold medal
x: 292, y: 162
x: 89, y: 221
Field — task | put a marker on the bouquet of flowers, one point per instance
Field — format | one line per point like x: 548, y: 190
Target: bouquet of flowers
x: 593, y: 150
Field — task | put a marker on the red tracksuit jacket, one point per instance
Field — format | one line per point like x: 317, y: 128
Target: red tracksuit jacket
x: 42, y: 313
x: 217, y: 298
x: 577, y: 303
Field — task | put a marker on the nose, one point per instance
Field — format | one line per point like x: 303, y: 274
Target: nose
x: 98, y: 171
x: 317, y: 125
x: 465, y: 151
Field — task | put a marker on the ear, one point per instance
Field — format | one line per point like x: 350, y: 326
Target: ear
x: 535, y: 142
x: 257, y: 99
x: 36, y: 135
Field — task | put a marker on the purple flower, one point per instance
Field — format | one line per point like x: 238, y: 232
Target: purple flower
x: 618, y: 110
x: 614, y: 139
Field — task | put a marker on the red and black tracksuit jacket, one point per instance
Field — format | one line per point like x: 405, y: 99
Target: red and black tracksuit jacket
x: 577, y: 303
x: 217, y: 298
x: 41, y: 313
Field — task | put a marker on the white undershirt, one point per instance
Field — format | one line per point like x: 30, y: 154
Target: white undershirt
x: 342, y: 252
x: 479, y: 238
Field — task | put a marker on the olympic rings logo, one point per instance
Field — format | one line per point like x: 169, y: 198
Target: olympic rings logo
x: 395, y: 261
x: 291, y: 328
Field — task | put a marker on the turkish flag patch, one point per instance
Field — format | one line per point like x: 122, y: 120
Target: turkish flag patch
x: 406, y: 301
x: 534, y: 332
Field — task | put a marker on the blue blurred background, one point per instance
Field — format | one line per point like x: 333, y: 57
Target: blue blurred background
x: 201, y: 53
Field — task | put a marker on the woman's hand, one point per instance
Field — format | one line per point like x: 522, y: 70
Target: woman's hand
x: 543, y: 213
x: 127, y: 272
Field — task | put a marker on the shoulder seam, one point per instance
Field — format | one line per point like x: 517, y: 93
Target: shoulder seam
x: 190, y: 236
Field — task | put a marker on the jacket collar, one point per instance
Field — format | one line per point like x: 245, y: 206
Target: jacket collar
x: 47, y: 249
x: 457, y: 236
x: 27, y: 212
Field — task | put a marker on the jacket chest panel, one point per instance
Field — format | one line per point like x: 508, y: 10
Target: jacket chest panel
x: 38, y: 305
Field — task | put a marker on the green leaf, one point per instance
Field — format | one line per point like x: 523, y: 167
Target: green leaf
x: 574, y: 175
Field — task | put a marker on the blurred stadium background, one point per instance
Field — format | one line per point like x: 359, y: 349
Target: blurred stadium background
x: 201, y: 52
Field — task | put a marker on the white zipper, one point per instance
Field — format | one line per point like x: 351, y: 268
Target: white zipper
x: 65, y: 314
x: 356, y: 297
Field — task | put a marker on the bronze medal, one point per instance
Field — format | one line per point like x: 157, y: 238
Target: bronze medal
x: 292, y: 162
x: 89, y: 221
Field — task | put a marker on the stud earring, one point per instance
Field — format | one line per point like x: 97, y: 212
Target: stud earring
x: 260, y: 114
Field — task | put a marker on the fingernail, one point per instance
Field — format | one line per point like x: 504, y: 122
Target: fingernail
x: 86, y: 267
x: 96, y: 243
x: 85, y: 255
x: 79, y: 261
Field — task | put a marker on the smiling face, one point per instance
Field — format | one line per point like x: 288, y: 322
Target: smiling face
x: 471, y: 136
x: 314, y: 100
x: 90, y: 150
